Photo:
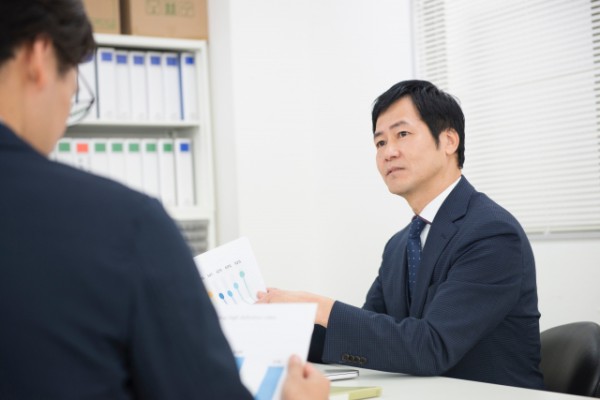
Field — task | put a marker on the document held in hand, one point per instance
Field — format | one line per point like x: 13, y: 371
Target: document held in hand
x: 230, y: 273
x: 262, y: 336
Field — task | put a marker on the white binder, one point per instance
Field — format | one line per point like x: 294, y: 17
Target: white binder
x: 64, y: 152
x: 123, y: 91
x: 99, y: 157
x: 150, y: 178
x: 133, y: 164
x: 154, y: 84
x: 139, y: 90
x: 189, y: 86
x: 116, y: 160
x: 81, y: 153
x: 87, y: 70
x: 107, y: 88
x: 166, y: 168
x: 184, y: 172
x: 171, y: 87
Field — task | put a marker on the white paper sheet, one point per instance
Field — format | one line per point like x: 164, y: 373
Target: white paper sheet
x: 230, y: 273
x: 263, y: 337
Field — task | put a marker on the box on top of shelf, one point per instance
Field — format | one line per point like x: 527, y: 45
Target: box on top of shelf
x: 104, y: 14
x: 186, y: 19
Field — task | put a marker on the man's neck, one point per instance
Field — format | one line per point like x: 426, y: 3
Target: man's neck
x: 418, y: 201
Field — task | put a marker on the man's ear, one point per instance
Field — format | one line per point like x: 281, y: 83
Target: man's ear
x: 38, y: 61
x: 451, y: 140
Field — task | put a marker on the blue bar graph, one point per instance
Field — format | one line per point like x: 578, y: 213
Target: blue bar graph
x: 269, y: 384
x: 239, y: 362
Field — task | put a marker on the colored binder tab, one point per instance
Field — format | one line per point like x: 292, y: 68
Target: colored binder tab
x: 64, y: 153
x: 184, y: 180
x: 123, y: 88
x: 138, y: 85
x: 189, y: 87
x: 150, y: 177
x: 82, y: 154
x: 166, y: 168
x: 171, y: 87
x: 116, y: 160
x: 133, y: 164
x: 99, y: 157
x: 107, y: 88
x: 154, y: 77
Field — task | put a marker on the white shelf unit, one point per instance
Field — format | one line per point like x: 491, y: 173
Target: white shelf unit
x: 199, y: 131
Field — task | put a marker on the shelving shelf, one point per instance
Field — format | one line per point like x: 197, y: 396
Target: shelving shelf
x: 199, y: 131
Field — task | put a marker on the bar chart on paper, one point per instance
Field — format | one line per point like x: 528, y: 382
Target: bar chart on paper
x: 262, y: 338
x: 230, y: 273
x: 261, y: 379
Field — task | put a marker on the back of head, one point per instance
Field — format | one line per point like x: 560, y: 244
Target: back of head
x: 438, y: 109
x: 64, y: 22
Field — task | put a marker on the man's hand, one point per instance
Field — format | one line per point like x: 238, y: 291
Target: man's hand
x: 324, y: 304
x: 304, y: 382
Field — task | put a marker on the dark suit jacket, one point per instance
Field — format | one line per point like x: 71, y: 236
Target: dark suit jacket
x: 99, y: 295
x: 474, y: 314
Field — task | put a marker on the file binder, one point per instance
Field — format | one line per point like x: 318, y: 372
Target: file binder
x: 166, y: 168
x: 150, y: 178
x: 64, y: 153
x: 107, y: 88
x: 172, y: 104
x: 154, y: 84
x: 184, y: 172
x: 122, y: 81
x: 133, y: 164
x: 87, y: 69
x: 137, y: 79
x: 116, y: 160
x: 189, y: 86
x: 99, y: 157
x: 81, y: 149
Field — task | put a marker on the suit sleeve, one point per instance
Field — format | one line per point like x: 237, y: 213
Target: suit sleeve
x: 177, y: 349
x: 482, y: 286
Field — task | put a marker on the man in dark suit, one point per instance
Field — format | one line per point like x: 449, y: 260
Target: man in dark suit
x: 456, y: 291
x: 99, y: 295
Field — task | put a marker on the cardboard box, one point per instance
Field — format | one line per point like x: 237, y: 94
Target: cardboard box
x: 185, y: 19
x: 104, y: 14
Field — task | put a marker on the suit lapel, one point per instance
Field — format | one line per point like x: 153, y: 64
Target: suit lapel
x: 441, y: 232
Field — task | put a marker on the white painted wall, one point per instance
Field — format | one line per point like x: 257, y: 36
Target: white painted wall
x: 568, y: 275
x: 293, y: 135
x: 292, y: 86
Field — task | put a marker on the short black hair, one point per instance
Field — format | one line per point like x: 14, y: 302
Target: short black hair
x: 438, y: 109
x: 64, y: 22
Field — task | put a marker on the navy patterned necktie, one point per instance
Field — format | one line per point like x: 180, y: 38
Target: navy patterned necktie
x: 413, y: 251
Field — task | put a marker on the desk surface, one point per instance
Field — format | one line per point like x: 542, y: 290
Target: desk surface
x: 400, y: 386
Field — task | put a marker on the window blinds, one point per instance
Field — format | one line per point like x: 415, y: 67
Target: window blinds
x: 527, y: 74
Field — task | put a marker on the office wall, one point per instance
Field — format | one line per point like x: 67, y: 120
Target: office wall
x: 292, y: 85
x: 293, y: 136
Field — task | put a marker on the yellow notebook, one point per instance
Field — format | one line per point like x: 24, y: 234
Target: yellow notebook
x: 356, y: 392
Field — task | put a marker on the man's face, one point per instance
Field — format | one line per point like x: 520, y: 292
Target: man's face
x: 408, y: 159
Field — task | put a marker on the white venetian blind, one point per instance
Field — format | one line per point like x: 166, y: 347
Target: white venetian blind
x: 527, y: 74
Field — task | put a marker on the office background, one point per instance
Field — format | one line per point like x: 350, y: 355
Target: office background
x: 292, y: 86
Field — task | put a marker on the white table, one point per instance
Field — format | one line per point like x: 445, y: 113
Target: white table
x: 400, y: 386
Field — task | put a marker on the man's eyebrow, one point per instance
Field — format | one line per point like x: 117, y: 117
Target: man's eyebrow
x: 394, y: 125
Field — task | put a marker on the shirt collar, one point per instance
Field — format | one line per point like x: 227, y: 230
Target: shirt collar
x: 431, y: 209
